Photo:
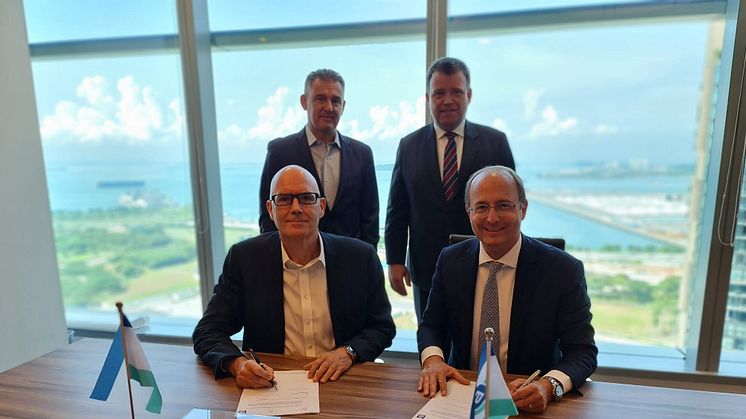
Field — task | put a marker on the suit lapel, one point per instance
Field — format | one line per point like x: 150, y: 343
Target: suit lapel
x: 334, y: 288
x: 429, y: 150
x: 345, y: 169
x: 469, y: 153
x: 468, y: 266
x: 523, y: 293
x: 276, y: 295
x: 305, y: 159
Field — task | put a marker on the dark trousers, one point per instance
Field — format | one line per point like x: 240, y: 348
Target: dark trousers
x: 420, y: 303
x: 420, y: 300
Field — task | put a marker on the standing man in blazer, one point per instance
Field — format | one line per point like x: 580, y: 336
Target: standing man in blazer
x: 342, y: 167
x: 427, y: 185
x: 532, y: 295
x: 298, y: 292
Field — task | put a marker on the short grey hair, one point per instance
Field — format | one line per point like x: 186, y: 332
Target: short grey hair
x: 496, y: 169
x: 323, y: 74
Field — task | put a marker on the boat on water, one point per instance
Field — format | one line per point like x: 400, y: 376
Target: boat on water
x: 106, y: 184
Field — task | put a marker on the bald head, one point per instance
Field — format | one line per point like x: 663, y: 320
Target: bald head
x: 293, y: 174
x: 504, y: 171
x: 297, y: 207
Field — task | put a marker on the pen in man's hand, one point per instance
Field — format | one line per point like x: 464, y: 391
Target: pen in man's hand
x: 258, y: 361
x: 529, y: 379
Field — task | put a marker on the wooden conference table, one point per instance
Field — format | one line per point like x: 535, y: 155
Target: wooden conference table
x: 58, y: 385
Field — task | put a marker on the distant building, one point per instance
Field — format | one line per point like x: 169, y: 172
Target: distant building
x: 734, y: 334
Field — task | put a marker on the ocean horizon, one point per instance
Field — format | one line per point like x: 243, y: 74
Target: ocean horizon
x: 82, y: 187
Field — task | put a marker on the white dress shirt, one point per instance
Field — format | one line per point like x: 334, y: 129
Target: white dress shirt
x: 327, y: 159
x: 505, y: 286
x: 308, y: 324
x: 441, y: 140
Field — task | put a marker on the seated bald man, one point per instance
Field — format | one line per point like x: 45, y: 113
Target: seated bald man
x: 296, y: 291
x: 533, y: 295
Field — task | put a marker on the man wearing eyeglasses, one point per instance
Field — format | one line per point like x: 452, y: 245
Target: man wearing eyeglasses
x: 532, y: 295
x: 298, y: 292
x: 343, y: 167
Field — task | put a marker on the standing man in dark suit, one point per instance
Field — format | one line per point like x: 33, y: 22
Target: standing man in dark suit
x: 297, y: 292
x: 342, y: 167
x: 533, y: 295
x: 427, y: 185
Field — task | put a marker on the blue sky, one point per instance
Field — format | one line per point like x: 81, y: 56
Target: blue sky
x: 593, y: 94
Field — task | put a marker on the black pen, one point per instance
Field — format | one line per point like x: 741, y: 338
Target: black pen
x: 258, y: 361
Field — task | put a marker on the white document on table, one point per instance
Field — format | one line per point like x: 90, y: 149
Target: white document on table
x: 457, y: 404
x: 295, y: 394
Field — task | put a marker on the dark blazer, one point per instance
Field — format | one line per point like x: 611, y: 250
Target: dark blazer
x: 550, y: 320
x: 417, y: 205
x: 249, y: 295
x: 355, y: 212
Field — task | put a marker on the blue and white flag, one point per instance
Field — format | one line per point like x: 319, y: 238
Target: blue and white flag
x: 499, y: 400
x: 138, y: 367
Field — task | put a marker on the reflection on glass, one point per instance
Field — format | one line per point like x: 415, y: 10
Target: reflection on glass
x: 605, y: 126
x: 733, y: 357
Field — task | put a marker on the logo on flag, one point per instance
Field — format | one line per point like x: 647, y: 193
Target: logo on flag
x: 491, y: 396
x: 137, y: 366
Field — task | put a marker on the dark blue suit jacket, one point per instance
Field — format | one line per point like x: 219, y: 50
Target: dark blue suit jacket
x: 550, y: 320
x: 355, y: 212
x: 417, y: 207
x: 249, y: 295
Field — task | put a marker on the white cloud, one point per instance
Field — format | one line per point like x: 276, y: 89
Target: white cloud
x: 277, y: 118
x: 605, y: 129
x: 177, y: 118
x: 501, y: 125
x: 132, y: 115
x: 550, y: 124
x: 94, y: 90
x: 137, y: 113
x: 387, y: 123
x: 530, y: 102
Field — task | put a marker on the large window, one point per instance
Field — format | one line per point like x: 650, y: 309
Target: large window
x: 603, y: 122
x: 117, y: 168
x: 611, y: 108
x: 257, y: 100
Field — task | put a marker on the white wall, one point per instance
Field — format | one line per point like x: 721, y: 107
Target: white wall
x: 32, y: 320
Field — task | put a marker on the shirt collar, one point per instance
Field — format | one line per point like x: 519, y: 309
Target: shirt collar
x: 313, y: 140
x: 440, y: 132
x: 508, y: 259
x: 287, y: 263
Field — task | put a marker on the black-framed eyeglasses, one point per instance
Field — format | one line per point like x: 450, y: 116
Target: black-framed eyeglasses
x: 304, y: 198
x: 501, y: 208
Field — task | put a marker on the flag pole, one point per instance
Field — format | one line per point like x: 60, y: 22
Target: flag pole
x: 126, y: 361
x: 488, y: 333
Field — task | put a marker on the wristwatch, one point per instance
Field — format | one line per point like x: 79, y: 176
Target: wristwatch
x: 557, y: 390
x: 351, y: 352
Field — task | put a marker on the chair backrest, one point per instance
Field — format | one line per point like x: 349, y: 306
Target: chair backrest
x: 556, y: 242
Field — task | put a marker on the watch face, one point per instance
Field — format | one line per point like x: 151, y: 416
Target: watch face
x: 558, y: 391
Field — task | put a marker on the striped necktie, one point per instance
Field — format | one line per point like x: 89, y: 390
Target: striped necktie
x: 450, y: 167
x: 490, y: 310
